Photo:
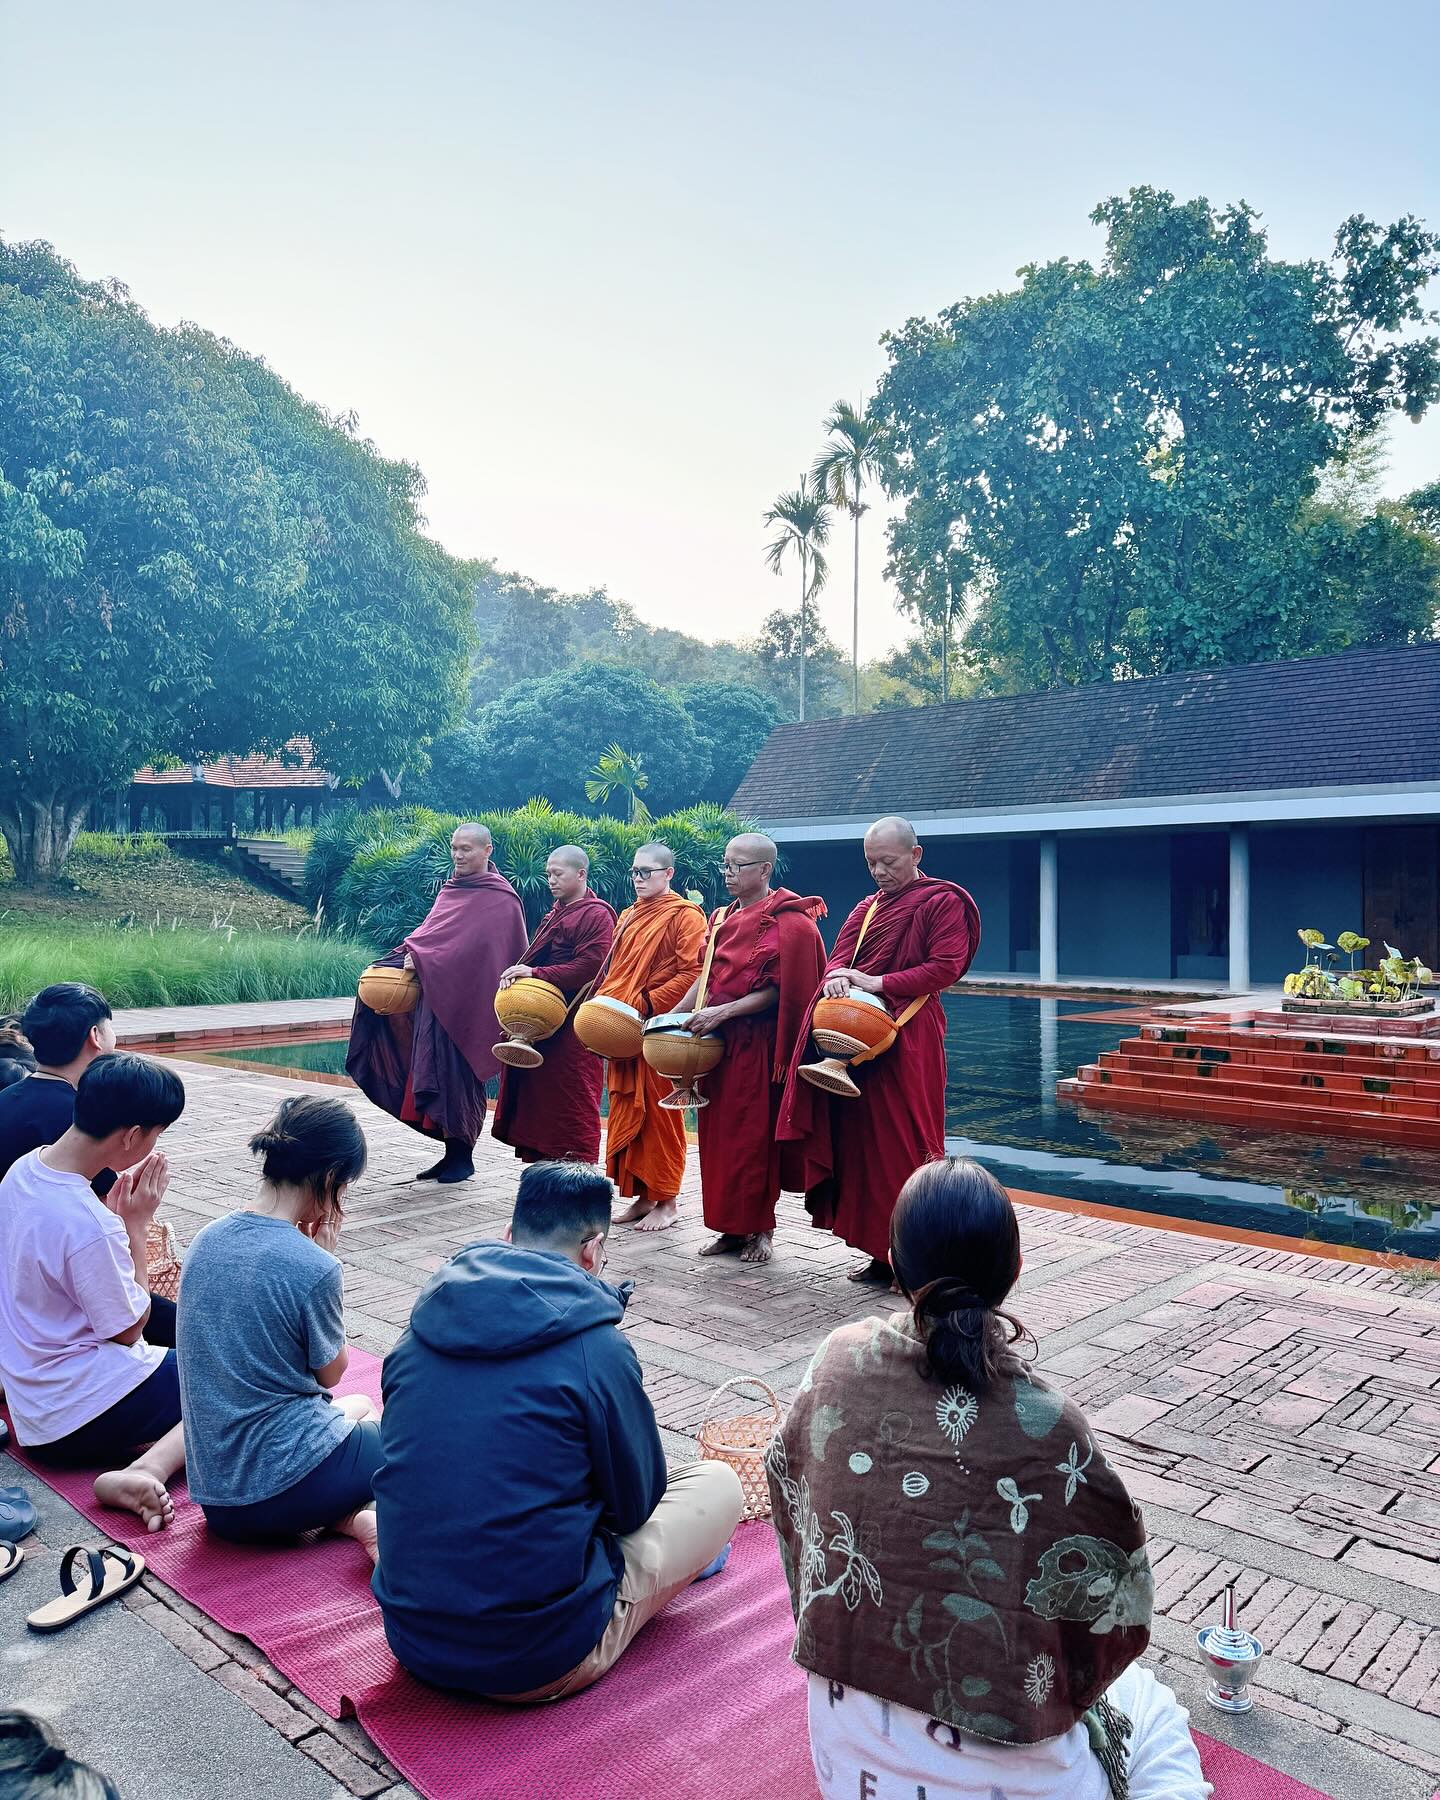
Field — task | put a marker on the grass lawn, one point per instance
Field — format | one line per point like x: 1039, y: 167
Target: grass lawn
x: 150, y: 926
x: 101, y: 887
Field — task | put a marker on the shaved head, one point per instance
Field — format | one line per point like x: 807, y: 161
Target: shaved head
x: 892, y: 828
x: 656, y: 856
x: 480, y: 834
x: 573, y: 855
x: 752, y: 846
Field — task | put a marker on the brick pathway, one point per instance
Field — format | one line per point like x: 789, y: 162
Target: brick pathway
x: 1278, y: 1416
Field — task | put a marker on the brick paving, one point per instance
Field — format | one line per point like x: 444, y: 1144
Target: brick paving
x: 1277, y: 1415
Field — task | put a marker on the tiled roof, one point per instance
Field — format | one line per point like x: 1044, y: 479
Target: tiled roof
x: 245, y: 772
x: 1362, y: 718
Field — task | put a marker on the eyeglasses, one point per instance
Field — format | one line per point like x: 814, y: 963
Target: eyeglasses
x: 639, y: 874
x: 729, y: 868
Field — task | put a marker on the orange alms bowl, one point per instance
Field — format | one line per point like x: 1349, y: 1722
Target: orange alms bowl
x: 531, y: 1010
x: 858, y: 1022
x: 609, y: 1027
x: 388, y: 990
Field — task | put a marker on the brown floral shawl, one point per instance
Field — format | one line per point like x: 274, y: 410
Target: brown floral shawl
x: 975, y: 1558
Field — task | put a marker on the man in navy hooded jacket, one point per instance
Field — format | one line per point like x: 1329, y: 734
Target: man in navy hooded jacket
x: 527, y: 1526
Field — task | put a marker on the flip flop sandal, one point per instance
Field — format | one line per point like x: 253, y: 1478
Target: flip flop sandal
x: 11, y: 1557
x: 108, y: 1572
x: 17, y: 1514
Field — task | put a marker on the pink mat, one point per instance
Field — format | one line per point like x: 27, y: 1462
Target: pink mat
x: 705, y: 1699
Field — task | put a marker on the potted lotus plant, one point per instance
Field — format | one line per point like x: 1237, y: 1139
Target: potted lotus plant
x: 1391, y: 991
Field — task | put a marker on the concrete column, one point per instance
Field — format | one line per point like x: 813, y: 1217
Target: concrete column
x: 1239, y: 909
x: 1049, y: 911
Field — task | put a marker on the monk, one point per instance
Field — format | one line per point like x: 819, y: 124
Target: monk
x: 910, y: 940
x: 553, y: 1113
x: 657, y: 954
x: 428, y: 1068
x: 765, y: 956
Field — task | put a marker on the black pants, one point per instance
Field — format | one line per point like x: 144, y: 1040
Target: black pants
x: 144, y: 1414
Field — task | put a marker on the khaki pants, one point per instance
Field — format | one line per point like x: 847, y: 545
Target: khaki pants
x: 696, y: 1518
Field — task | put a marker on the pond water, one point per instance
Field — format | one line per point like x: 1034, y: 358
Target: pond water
x: 1005, y: 1055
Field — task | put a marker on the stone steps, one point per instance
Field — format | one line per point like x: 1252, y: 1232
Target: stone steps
x: 274, y: 864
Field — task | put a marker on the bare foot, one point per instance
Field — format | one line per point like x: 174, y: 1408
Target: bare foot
x: 726, y: 1244
x: 361, y: 1526
x: 136, y: 1490
x: 874, y: 1272
x: 660, y: 1217
x: 358, y: 1407
x: 635, y: 1212
x: 758, y: 1249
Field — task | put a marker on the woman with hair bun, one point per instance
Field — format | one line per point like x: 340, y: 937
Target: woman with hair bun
x: 261, y: 1341
x: 968, y: 1574
x: 34, y: 1764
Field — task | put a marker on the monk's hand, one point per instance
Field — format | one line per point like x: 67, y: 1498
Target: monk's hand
x: 516, y: 972
x: 409, y: 962
x: 709, y: 1018
x: 839, y: 982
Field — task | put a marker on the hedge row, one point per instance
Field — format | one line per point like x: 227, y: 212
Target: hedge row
x: 375, y: 873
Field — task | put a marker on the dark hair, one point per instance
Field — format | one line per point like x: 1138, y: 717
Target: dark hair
x: 17, y: 1059
x: 561, y: 1201
x: 60, y: 1018
x: 313, y: 1142
x: 122, y: 1089
x: 34, y: 1764
x: 955, y: 1250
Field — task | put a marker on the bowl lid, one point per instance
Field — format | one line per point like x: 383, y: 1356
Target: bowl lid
x: 671, y: 1021
x: 859, y: 994
x: 619, y: 1006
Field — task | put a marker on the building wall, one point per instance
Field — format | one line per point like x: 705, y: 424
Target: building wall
x: 1301, y: 876
x: 1115, y: 905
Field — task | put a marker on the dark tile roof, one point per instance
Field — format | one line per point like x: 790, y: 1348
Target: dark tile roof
x: 245, y: 772
x: 1362, y: 718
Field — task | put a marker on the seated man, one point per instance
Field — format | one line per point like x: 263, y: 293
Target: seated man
x: 67, y: 1026
x: 83, y: 1383
x: 527, y: 1577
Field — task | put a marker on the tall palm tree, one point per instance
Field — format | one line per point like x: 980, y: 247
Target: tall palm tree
x: 852, y: 456
x: 619, y: 772
x: 804, y: 520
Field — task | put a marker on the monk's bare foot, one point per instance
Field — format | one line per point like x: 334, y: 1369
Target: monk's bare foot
x: 138, y: 1491
x: 635, y: 1212
x: 758, y: 1249
x: 727, y: 1244
x: 873, y: 1272
x: 361, y: 1526
x: 660, y: 1217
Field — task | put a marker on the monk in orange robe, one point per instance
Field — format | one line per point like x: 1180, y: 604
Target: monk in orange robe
x: 908, y: 942
x: 656, y: 957
x: 763, y: 959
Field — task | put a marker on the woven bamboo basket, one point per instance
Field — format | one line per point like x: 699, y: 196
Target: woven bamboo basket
x: 163, y: 1259
x: 740, y: 1441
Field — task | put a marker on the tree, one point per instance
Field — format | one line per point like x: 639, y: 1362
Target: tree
x: 1124, y: 451
x: 804, y: 520
x: 793, y: 647
x: 932, y: 573
x: 733, y: 721
x: 854, y: 456
x: 540, y: 737
x: 618, y: 772
x: 193, y: 561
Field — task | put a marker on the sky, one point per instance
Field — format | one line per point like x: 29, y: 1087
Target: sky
x: 602, y: 268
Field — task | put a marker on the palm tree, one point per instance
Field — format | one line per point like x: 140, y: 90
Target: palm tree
x: 804, y: 520
x: 618, y: 772
x: 853, y: 456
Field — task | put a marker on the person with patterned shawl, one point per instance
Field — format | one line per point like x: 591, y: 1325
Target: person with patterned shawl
x: 553, y: 1113
x: 657, y: 953
x: 908, y: 942
x: 763, y: 957
x: 968, y: 1573
x: 428, y: 1068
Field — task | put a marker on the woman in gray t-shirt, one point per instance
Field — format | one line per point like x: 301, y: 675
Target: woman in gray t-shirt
x: 260, y: 1340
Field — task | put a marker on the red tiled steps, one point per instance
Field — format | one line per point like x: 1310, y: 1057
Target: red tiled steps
x: 1283, y: 1081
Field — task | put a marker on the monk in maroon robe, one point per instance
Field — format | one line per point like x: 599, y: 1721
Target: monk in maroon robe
x: 553, y: 1112
x: 915, y: 937
x: 428, y: 1068
x: 763, y: 958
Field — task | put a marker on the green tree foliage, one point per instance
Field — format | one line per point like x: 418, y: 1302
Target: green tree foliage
x: 543, y: 737
x: 733, y: 721
x: 852, y: 458
x: 617, y: 773
x: 1124, y: 452
x: 193, y: 561
x: 791, y: 656
x: 803, y: 518
x: 378, y: 871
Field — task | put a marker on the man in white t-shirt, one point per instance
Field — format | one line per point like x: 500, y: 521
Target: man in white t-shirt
x: 84, y: 1385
